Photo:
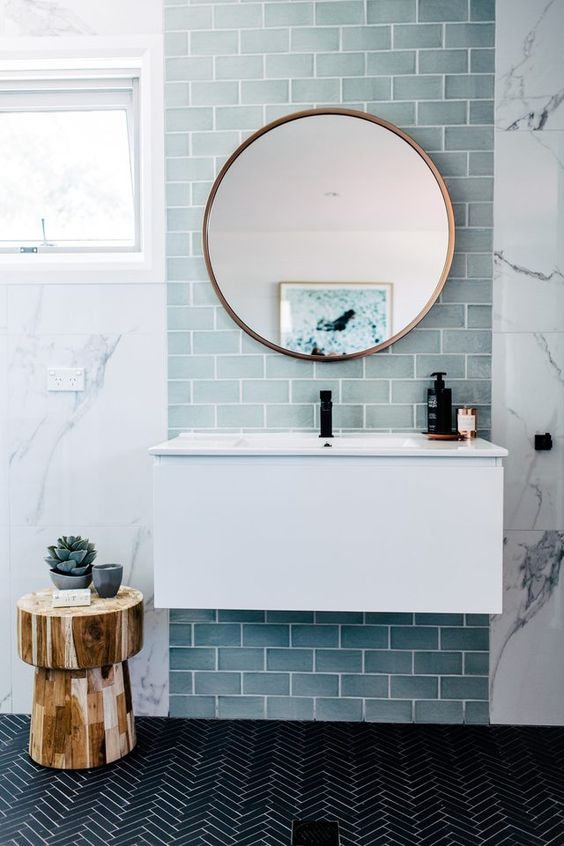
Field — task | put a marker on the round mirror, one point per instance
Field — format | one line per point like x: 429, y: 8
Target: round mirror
x: 328, y: 234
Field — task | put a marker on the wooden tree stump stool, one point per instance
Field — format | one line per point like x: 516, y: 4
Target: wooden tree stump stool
x: 82, y: 714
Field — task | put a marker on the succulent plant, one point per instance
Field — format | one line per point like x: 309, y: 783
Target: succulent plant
x: 71, y: 556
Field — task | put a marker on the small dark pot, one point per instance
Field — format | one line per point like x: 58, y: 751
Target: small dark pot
x: 107, y: 579
x: 64, y: 581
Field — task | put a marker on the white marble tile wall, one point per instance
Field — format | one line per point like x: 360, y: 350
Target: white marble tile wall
x: 527, y: 683
x: 79, y: 17
x: 78, y: 463
x: 5, y: 629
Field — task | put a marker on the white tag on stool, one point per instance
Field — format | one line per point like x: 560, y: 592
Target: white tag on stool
x: 69, y: 598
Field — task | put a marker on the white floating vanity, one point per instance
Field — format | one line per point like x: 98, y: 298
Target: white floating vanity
x: 370, y: 522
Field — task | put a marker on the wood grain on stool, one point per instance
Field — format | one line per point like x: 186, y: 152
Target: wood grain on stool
x: 81, y: 718
x: 82, y: 713
x: 106, y: 632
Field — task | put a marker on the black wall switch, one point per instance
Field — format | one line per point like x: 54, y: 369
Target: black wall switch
x: 543, y: 442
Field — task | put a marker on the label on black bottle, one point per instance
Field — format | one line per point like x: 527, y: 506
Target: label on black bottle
x: 432, y: 417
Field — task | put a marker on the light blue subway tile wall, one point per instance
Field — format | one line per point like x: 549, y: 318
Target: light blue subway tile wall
x: 231, y: 67
x: 352, y: 666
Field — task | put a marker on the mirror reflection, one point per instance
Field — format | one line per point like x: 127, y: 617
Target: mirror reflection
x: 328, y: 235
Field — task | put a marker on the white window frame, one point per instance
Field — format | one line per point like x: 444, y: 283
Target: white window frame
x: 77, y: 91
x: 139, y: 59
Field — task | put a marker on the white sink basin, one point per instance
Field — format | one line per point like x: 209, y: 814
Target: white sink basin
x: 296, y: 442
x: 374, y: 442
x: 309, y: 443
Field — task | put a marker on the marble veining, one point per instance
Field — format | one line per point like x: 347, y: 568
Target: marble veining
x: 544, y: 345
x: 42, y: 17
x: 536, y: 119
x: 530, y: 91
x: 95, y: 355
x: 79, y: 460
x: 528, y: 395
x: 528, y: 292
x: 53, y: 18
x: 148, y: 669
x: 555, y: 273
x: 524, y: 687
x: 527, y: 685
x: 527, y: 239
x: 537, y: 576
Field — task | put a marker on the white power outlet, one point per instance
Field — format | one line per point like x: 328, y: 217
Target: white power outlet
x: 65, y: 378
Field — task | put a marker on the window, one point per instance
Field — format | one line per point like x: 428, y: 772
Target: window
x: 68, y: 149
x: 81, y: 160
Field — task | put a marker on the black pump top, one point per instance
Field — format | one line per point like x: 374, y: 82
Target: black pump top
x: 325, y: 396
x: 439, y: 381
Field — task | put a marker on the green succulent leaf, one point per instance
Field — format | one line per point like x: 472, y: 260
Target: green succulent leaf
x: 78, y: 555
x: 71, y: 554
x: 62, y: 554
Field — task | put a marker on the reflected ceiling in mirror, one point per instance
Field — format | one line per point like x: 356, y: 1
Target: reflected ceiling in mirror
x: 328, y: 234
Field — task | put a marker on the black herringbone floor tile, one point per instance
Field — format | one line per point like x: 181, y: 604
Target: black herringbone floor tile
x: 231, y: 783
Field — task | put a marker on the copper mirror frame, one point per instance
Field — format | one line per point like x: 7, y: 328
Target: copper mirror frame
x: 287, y: 119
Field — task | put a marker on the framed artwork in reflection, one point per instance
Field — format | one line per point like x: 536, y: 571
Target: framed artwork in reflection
x: 334, y: 318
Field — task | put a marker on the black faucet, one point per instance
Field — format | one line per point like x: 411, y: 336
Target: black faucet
x: 326, y: 415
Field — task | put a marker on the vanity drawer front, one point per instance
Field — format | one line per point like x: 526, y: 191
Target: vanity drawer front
x: 347, y: 533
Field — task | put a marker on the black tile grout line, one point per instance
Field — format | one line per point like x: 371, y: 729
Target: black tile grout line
x: 223, y: 782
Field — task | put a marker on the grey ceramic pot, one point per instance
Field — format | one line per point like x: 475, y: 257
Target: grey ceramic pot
x: 63, y: 581
x: 107, y: 579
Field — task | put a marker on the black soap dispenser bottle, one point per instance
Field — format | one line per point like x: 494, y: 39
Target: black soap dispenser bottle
x: 439, y: 407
